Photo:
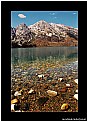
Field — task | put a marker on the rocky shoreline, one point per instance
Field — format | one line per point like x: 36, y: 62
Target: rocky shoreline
x: 44, y: 87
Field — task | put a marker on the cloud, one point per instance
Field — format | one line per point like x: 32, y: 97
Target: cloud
x: 52, y: 13
x: 74, y: 13
x: 21, y: 15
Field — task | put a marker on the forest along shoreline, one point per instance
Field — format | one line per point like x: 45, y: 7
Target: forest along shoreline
x: 47, y: 88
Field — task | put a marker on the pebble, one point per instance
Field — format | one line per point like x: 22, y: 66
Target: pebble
x: 12, y: 107
x: 15, y: 80
x: 63, y: 90
x: 60, y: 79
x: 56, y: 86
x: 76, y: 81
x: 17, y: 111
x: 31, y: 91
x: 41, y: 75
x: 76, y: 96
x: 69, y: 90
x: 67, y: 85
x: 14, y: 101
x: 52, y: 93
x: 64, y: 106
x: 77, y: 91
x: 49, y: 80
x: 53, y: 79
x: 17, y: 93
x: 69, y: 78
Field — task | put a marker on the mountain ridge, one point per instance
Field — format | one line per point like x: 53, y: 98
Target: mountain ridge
x: 43, y: 33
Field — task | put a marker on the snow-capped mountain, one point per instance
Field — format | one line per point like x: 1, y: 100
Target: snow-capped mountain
x: 41, y: 30
x: 66, y: 30
x: 47, y: 29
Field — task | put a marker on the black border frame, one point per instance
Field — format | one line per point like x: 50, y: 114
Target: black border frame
x: 6, y: 8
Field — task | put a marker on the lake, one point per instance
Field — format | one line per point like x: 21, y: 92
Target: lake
x: 20, y: 55
x: 35, y: 71
x: 32, y: 61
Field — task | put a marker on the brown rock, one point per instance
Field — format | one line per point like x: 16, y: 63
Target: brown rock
x: 60, y: 79
x: 56, y: 86
x: 63, y: 89
x: 46, y: 86
x: 68, y: 85
x: 14, y: 101
x: 64, y: 106
x: 52, y: 93
x: 31, y: 91
x: 69, y: 90
x: 42, y: 100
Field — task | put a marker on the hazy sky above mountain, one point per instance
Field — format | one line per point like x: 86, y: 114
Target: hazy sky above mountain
x: 69, y: 18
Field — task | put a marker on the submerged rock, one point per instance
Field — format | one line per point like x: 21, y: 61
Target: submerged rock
x: 41, y: 76
x: 52, y: 93
x: 17, y: 93
x: 76, y: 81
x: 46, y: 88
x: 42, y: 100
x: 12, y: 107
x: 67, y: 85
x: 14, y: 101
x: 31, y: 91
x: 17, y: 111
x: 64, y: 106
x: 60, y: 79
x: 77, y: 91
x: 63, y: 89
x: 76, y: 96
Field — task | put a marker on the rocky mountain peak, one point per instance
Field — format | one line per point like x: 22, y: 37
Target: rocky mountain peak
x: 40, y: 25
x: 42, y: 21
x: 13, y: 33
x: 23, y: 36
x: 22, y: 24
x: 22, y: 28
x: 43, y: 31
x: 42, y: 28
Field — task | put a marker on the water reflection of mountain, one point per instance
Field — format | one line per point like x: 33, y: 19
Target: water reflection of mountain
x: 31, y: 54
x: 72, y: 55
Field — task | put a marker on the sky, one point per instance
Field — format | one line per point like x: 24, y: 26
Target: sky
x: 69, y: 18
